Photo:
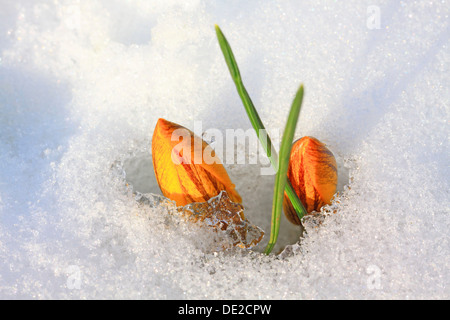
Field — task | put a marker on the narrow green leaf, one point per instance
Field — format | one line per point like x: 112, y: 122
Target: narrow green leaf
x: 283, y: 162
x: 254, y: 117
x: 248, y: 104
x: 228, y: 54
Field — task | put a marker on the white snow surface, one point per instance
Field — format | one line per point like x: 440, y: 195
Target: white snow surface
x: 82, y: 84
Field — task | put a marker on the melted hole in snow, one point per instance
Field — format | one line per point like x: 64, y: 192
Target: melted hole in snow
x: 255, y: 189
x: 140, y: 174
x: 343, y: 167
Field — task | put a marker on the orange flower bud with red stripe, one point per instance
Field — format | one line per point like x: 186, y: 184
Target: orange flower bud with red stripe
x: 186, y: 167
x: 313, y: 175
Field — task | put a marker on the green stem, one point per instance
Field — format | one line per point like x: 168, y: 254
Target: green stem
x: 255, y: 119
x: 281, y: 177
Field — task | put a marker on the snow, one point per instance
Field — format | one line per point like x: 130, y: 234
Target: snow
x: 82, y: 84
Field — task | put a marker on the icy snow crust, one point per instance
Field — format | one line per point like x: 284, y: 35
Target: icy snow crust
x: 82, y: 84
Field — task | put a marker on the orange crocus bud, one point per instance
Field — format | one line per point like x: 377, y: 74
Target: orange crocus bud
x: 186, y: 167
x: 313, y: 175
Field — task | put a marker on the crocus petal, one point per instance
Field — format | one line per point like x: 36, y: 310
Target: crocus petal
x: 183, y: 174
x: 313, y: 175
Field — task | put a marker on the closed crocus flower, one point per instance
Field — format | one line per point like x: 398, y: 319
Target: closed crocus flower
x: 313, y: 175
x: 186, y: 167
